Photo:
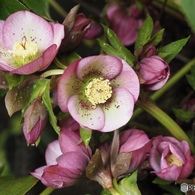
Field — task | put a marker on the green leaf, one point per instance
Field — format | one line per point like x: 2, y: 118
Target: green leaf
x: 191, y: 77
x: 47, y: 102
x: 144, y: 33
x: 14, y: 80
x: 188, y: 7
x: 10, y: 185
x: 129, y: 185
x: 85, y: 135
x: 160, y: 181
x: 172, y: 49
x: 9, y: 7
x: 40, y: 7
x: 157, y: 38
x: 183, y: 115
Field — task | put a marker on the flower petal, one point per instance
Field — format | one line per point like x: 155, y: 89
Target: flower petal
x: 68, y: 85
x: 119, y: 111
x: 29, y: 25
x: 83, y: 112
x: 127, y: 79
x: 99, y: 66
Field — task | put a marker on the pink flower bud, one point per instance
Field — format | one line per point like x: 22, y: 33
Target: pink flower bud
x: 35, y: 118
x: 154, y: 72
x: 137, y: 143
x: 125, y: 22
x: 66, y: 158
x: 171, y: 159
x: 94, y: 31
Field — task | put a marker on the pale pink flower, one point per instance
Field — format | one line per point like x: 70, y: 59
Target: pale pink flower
x: 99, y: 92
x: 28, y: 43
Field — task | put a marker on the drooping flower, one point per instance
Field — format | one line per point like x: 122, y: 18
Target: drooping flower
x: 137, y: 143
x: 35, y: 119
x: 66, y: 158
x: 124, y: 21
x: 28, y: 43
x: 171, y: 159
x: 154, y: 72
x: 99, y: 92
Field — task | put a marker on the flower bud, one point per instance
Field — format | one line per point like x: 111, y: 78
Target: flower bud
x: 171, y: 159
x: 35, y: 118
x: 94, y: 31
x: 154, y: 72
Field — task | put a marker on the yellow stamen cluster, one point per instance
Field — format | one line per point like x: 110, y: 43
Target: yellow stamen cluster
x: 173, y: 160
x: 98, y: 91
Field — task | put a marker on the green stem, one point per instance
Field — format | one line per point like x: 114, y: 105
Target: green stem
x: 167, y: 121
x: 182, y: 72
x: 47, y: 191
x: 52, y: 73
x: 58, y: 8
x: 117, y: 188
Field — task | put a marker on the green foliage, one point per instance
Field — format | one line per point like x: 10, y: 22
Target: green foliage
x: 191, y: 77
x: 85, y: 135
x: 183, y: 115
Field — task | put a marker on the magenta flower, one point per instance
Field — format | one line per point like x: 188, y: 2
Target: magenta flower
x: 99, y: 92
x: 35, y: 119
x: 154, y: 72
x: 66, y: 159
x: 125, y: 22
x: 171, y: 159
x: 137, y: 143
x: 28, y: 43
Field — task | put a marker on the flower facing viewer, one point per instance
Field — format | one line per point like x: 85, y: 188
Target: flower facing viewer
x: 99, y: 92
x: 171, y: 159
x: 66, y: 159
x: 28, y: 43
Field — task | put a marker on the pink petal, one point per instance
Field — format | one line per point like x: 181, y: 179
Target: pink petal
x: 119, y: 111
x: 53, y: 151
x: 83, y: 112
x: 39, y: 64
x: 104, y: 66
x: 29, y: 25
x: 127, y: 79
x: 38, y: 172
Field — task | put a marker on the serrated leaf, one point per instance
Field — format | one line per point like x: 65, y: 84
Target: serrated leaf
x: 183, y: 115
x: 9, y: 7
x: 85, y: 135
x: 40, y: 7
x: 47, y: 102
x: 144, y: 33
x: 172, y: 49
x: 9, y: 185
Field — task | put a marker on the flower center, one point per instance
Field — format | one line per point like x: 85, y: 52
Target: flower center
x: 24, y: 52
x: 98, y: 90
x: 173, y: 160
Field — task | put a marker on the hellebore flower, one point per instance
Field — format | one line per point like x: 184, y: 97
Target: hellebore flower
x: 171, y: 159
x: 137, y: 143
x: 94, y: 31
x: 35, y: 119
x: 125, y: 22
x: 28, y: 43
x: 99, y: 92
x: 154, y: 72
x: 66, y: 159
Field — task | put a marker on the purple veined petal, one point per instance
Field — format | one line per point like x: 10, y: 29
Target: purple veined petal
x: 58, y: 31
x: 163, y: 161
x: 29, y: 25
x: 53, y: 151
x: 127, y: 79
x: 85, y: 114
x: 38, y: 172
x: 104, y: 66
x: 68, y: 85
x: 119, y: 110
x: 39, y: 64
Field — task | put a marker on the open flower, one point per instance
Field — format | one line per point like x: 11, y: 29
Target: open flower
x: 124, y: 21
x: 99, y: 92
x: 28, y: 43
x: 171, y: 159
x: 154, y: 72
x: 66, y: 159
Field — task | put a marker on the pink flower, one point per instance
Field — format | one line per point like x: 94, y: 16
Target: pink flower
x: 28, y: 43
x: 171, y: 159
x: 137, y: 143
x: 35, y: 119
x: 99, y: 92
x: 94, y: 31
x: 66, y: 159
x: 154, y: 72
x: 125, y: 22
